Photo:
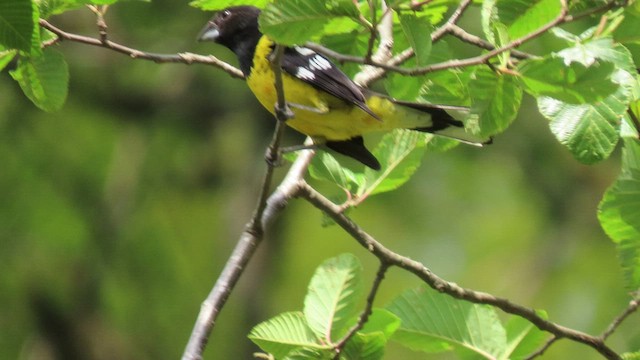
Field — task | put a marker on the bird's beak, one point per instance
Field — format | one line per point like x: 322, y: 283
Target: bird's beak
x: 209, y: 33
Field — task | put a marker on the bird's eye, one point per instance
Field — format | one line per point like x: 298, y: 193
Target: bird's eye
x: 225, y: 14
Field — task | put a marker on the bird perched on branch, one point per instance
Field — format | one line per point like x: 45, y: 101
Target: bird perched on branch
x: 327, y: 105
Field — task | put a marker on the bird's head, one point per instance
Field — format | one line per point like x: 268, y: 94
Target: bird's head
x: 233, y: 27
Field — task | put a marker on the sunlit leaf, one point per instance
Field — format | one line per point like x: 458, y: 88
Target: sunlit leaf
x: 296, y: 21
x: 333, y: 296
x: 400, y: 153
x: 17, y: 25
x: 572, y: 83
x: 6, y: 56
x: 435, y: 322
x: 44, y: 79
x: 495, y: 101
x: 284, y: 333
x: 619, y: 213
x: 523, y: 338
x: 418, y: 33
x: 368, y: 346
x: 221, y: 4
x: 325, y: 167
x: 525, y: 16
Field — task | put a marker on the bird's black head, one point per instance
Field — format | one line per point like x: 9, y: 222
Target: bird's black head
x: 236, y: 28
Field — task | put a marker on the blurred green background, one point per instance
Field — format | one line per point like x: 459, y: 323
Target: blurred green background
x: 118, y: 212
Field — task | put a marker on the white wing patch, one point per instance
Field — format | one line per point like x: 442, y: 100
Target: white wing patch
x: 303, y: 73
x: 304, y: 51
x: 319, y: 63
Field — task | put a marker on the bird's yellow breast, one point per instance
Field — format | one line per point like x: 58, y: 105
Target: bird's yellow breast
x: 331, y: 118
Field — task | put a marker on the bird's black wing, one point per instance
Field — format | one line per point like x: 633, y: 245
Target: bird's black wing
x: 316, y: 70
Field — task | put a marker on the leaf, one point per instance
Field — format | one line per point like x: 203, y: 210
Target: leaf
x: 44, y: 79
x: 489, y: 17
x: 383, y: 321
x: 17, y: 24
x: 627, y: 31
x: 631, y: 356
x: 400, y: 153
x: 365, y: 347
x: 572, y: 83
x: 284, y: 333
x: 325, y: 167
x: 208, y: 5
x: 333, y: 296
x: 309, y: 354
x: 619, y: 213
x: 525, y: 16
x: 434, y: 322
x: 418, y: 33
x: 296, y: 21
x: 6, y: 56
x: 523, y: 338
x: 591, y: 131
x: 495, y: 101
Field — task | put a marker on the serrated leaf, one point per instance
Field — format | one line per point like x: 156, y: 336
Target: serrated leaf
x: 17, y: 24
x: 495, y: 101
x: 572, y: 83
x: 325, y: 167
x: 333, y: 295
x: 6, y: 56
x: 309, y: 354
x: 523, y: 338
x: 450, y: 87
x: 525, y: 16
x: 285, y: 333
x: 619, y: 213
x: 489, y: 16
x: 383, y: 321
x: 418, y: 33
x: 296, y: 21
x: 44, y: 79
x: 400, y: 153
x: 365, y: 347
x: 591, y: 131
x: 435, y: 322
x: 209, y: 5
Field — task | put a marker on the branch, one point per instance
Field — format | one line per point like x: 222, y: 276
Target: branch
x: 184, y: 58
x: 364, y: 316
x: 543, y: 348
x: 631, y: 308
x: 449, y: 288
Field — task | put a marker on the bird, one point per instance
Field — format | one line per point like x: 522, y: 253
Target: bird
x: 327, y: 105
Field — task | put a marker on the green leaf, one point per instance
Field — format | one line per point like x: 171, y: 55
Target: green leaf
x: 17, y: 24
x: 489, y: 17
x: 591, y: 131
x: 310, y: 354
x: 450, y: 87
x: 333, y: 296
x: 619, y: 213
x: 574, y: 83
x: 418, y: 33
x: 6, y: 56
x: 44, y: 79
x: 434, y: 322
x: 631, y: 356
x: 365, y: 347
x: 523, y: 338
x: 400, y: 153
x: 296, y: 21
x: 285, y: 333
x: 325, y: 167
x: 495, y: 101
x: 208, y: 5
x: 383, y: 321
x: 525, y: 16
x: 627, y: 31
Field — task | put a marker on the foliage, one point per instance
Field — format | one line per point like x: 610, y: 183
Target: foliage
x: 585, y: 84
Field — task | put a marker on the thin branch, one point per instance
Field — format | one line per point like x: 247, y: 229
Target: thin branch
x: 384, y: 52
x: 543, y: 348
x: 184, y: 58
x: 364, y: 316
x: 634, y: 120
x: 631, y: 308
x: 250, y: 238
x: 455, y: 30
x: 439, y: 284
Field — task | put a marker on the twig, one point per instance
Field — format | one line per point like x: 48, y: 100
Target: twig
x: 461, y: 34
x: 449, y: 288
x: 542, y: 349
x: 364, y: 316
x: 385, y: 29
x: 634, y: 120
x: 250, y: 238
x: 631, y: 308
x: 184, y: 58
